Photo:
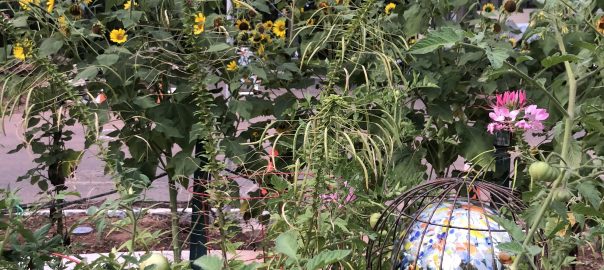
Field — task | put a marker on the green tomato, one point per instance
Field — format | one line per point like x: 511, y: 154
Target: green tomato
x: 541, y: 171
x: 563, y: 195
x: 159, y: 261
x: 373, y: 219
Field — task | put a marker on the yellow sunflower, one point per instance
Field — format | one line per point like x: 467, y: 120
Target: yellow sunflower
x: 243, y: 25
x: 260, y: 51
x: 50, y: 5
x: 600, y: 25
x: 512, y: 41
x: 488, y: 8
x: 128, y: 4
x: 118, y: 36
x: 23, y: 49
x: 232, y: 66
x: 200, y: 21
x: 280, y: 29
x: 88, y: 2
x: 25, y: 4
x: 389, y: 8
x: 268, y: 24
x: 310, y: 22
x: 62, y: 21
x: 237, y: 3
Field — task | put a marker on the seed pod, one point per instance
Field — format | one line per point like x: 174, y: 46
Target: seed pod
x: 509, y: 6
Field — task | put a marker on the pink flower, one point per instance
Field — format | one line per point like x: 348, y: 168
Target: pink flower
x: 501, y: 114
x: 334, y: 197
x: 535, y: 114
x: 523, y: 125
x: 511, y: 99
x: 492, y: 127
x: 509, y: 113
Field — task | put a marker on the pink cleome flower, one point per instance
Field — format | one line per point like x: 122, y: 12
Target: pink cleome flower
x: 509, y: 113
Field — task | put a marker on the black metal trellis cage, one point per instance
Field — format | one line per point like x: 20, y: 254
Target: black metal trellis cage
x: 416, y: 208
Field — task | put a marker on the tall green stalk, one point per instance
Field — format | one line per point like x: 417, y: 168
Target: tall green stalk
x: 568, y: 126
x: 173, y: 192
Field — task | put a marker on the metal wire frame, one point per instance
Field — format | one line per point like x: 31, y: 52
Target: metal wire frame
x: 397, y: 220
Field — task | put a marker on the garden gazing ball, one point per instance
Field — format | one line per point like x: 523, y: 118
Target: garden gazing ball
x: 440, y: 239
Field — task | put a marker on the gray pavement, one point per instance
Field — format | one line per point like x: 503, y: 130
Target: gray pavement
x: 89, y: 178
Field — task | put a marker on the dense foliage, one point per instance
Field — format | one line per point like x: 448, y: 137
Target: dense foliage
x: 335, y: 106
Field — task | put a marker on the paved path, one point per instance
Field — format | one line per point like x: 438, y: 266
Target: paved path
x: 89, y: 177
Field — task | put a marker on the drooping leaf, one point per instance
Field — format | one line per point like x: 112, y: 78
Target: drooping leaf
x: 183, y: 164
x: 513, y: 247
x: 591, y: 193
x: 557, y: 59
x: 50, y: 46
x: 326, y: 258
x: 208, y: 262
x: 242, y: 107
x: 511, y: 227
x: 287, y: 243
x: 88, y: 73
x: 446, y: 36
x: 107, y: 59
x: 218, y: 47
x: 496, y: 56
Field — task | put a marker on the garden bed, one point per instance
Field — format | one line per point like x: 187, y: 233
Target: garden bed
x: 99, y: 243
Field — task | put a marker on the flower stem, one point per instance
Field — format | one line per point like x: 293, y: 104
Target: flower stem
x: 568, y: 126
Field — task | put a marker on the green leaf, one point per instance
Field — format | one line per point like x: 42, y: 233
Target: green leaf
x: 20, y: 21
x: 496, y: 56
x: 513, y: 247
x: 533, y: 250
x: 218, y: 47
x: 258, y: 71
x: 260, y: 5
x: 209, y: 262
x: 183, y: 164
x: 241, y: 107
x: 584, y: 209
x: 557, y: 59
x: 129, y: 18
x: 591, y: 193
x: 414, y: 19
x: 145, y: 102
x: 446, y: 36
x: 325, y: 258
x: 88, y: 73
x: 50, y: 46
x: 107, y: 59
x: 510, y: 226
x: 287, y: 243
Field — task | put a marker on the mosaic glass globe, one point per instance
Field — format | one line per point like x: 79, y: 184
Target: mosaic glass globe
x: 445, y: 224
x: 431, y: 244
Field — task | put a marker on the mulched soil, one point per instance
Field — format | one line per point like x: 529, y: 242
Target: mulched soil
x: 96, y: 242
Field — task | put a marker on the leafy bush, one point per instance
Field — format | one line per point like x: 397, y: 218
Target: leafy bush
x: 354, y: 100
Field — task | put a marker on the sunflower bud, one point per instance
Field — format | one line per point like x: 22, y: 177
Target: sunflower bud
x: 509, y: 6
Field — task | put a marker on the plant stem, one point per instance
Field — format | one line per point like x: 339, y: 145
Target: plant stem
x: 568, y: 126
x: 223, y: 240
x: 174, y: 218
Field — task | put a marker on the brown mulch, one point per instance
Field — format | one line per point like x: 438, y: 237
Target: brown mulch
x: 100, y: 242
